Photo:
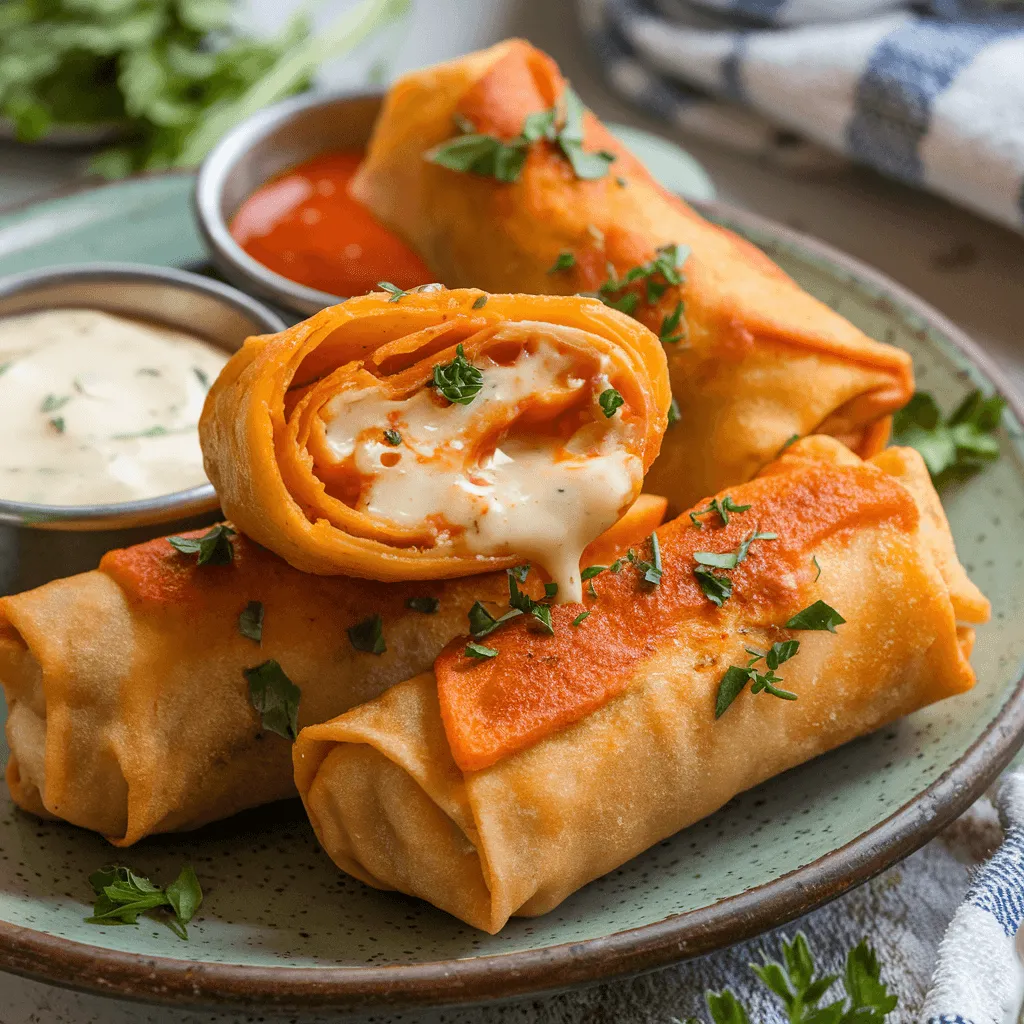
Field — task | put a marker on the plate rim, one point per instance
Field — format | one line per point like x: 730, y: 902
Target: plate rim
x: 43, y: 957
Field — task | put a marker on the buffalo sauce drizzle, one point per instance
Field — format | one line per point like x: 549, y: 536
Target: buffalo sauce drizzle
x: 539, y: 684
x: 305, y: 226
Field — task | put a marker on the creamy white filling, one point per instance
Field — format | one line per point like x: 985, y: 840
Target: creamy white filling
x: 95, y: 408
x: 542, y: 499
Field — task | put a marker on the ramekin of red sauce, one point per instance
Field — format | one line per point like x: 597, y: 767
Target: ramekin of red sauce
x: 304, y: 225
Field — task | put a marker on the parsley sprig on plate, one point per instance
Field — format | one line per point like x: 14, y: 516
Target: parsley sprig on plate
x: 122, y: 895
x: 960, y: 443
x: 863, y: 999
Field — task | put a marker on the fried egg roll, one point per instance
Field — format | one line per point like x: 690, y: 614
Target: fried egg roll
x: 525, y: 201
x: 128, y: 710
x: 497, y: 786
x: 438, y: 433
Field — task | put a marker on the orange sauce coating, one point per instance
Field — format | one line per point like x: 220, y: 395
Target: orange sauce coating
x: 305, y: 226
x: 539, y: 684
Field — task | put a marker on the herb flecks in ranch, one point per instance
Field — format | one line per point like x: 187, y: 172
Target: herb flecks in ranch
x: 213, y: 548
x: 486, y: 155
x: 250, y: 621
x: 368, y: 635
x: 459, y: 381
x: 961, y: 443
x: 275, y: 697
x: 122, y: 895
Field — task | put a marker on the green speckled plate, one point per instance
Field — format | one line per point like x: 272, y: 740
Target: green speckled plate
x: 281, y: 926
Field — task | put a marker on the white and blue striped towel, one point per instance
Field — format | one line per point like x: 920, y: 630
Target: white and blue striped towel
x: 931, y: 93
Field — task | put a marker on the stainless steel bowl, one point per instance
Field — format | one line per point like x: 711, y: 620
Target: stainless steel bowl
x: 257, y: 150
x: 42, y: 542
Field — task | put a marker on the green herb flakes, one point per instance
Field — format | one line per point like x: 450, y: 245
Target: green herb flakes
x: 735, y: 678
x: 724, y: 508
x: 814, y: 562
x: 213, y: 548
x: 122, y: 895
x: 51, y: 403
x: 368, y: 635
x: 674, y: 416
x: 717, y: 589
x: 656, y: 276
x: 480, y: 301
x: 579, y: 618
x: 392, y: 437
x: 459, y: 381
x: 275, y: 698
x: 392, y: 289
x: 564, y: 261
x: 424, y: 605
x: 250, y: 621
x: 475, y: 650
x: 58, y: 424
x: 816, y: 616
x: 670, y: 332
x: 610, y: 400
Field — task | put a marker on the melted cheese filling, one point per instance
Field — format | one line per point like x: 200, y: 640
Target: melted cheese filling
x: 539, y: 497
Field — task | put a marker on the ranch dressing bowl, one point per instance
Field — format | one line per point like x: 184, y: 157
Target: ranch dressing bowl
x: 40, y: 541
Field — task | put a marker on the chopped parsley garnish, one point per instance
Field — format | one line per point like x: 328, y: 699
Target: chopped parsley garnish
x: 491, y: 157
x: 275, y: 697
x: 392, y: 289
x: 650, y: 571
x: 522, y: 602
x: 717, y: 589
x: 670, y: 332
x: 790, y: 441
x: 579, y: 618
x: 459, y: 381
x: 814, y: 562
x: 736, y: 678
x: 520, y: 572
x: 425, y: 605
x: 674, y: 414
x: 393, y: 437
x: 145, y: 371
x: 474, y: 650
x: 610, y: 400
x: 657, y: 275
x: 730, y: 559
x: 368, y: 635
x: 591, y: 571
x: 564, y: 261
x: 723, y: 508
x: 121, y: 895
x: 863, y: 999
x: 960, y: 444
x: 250, y: 621
x: 58, y: 424
x: 4, y: 367
x: 482, y: 622
x: 816, y: 616
x: 213, y: 548
x: 51, y: 403
x: 480, y: 301
x: 201, y: 376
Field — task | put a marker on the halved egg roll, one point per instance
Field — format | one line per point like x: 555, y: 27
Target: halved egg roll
x: 498, y: 785
x: 438, y: 433
x: 129, y: 707
x: 489, y: 167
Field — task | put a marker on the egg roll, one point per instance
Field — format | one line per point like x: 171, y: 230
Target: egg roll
x: 498, y: 786
x: 753, y: 358
x: 434, y: 434
x: 128, y: 710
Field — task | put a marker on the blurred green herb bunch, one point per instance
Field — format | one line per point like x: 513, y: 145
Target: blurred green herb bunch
x: 167, y: 76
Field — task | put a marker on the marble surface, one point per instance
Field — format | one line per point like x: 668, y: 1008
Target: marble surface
x: 969, y: 269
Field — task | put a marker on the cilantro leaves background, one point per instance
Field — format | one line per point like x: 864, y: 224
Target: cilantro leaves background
x: 171, y: 75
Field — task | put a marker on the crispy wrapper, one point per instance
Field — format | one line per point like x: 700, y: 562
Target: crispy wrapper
x: 264, y: 426
x: 498, y: 787
x: 755, y: 359
x: 127, y: 709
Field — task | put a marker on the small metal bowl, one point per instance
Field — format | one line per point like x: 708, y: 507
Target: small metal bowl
x: 42, y: 542
x: 259, y: 149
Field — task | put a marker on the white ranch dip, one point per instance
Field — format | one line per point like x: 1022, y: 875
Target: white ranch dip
x: 97, y: 408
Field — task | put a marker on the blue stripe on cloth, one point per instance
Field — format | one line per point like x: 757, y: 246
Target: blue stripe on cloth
x: 761, y: 10
x: 907, y: 70
x: 999, y: 886
x: 732, y: 84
